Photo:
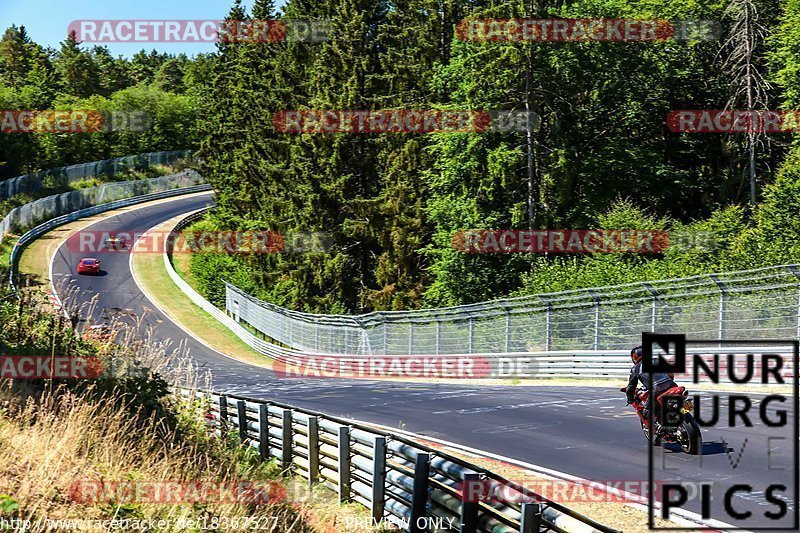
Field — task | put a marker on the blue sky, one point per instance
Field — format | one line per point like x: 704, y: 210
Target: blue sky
x: 47, y: 20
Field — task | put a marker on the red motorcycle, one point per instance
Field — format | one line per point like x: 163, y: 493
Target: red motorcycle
x: 686, y: 434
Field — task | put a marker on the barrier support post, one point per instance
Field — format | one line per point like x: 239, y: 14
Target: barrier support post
x: 344, y: 464
x: 313, y: 450
x: 223, y: 414
x: 263, y: 431
x: 470, y: 504
x: 286, y: 441
x: 530, y: 518
x: 419, y: 497
x: 378, y: 479
x: 241, y: 420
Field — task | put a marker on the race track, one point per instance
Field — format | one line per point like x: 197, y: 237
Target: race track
x: 583, y: 431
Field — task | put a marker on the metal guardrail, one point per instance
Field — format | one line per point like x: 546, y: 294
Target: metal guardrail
x: 260, y: 345
x: 750, y: 304
x: 43, y: 228
x: 395, y: 477
x: 580, y: 363
x: 72, y: 173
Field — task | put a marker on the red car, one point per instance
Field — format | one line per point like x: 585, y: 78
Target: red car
x: 89, y: 265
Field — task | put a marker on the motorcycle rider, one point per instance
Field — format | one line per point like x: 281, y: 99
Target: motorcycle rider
x: 661, y: 382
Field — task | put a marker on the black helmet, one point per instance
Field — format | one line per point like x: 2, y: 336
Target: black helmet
x: 636, y: 354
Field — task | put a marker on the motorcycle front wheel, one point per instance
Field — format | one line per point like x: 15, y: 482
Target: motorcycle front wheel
x: 646, y: 431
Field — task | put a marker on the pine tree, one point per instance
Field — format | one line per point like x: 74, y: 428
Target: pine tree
x: 15, y: 56
x: 76, y: 70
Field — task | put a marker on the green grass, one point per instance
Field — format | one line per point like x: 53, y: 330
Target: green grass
x: 152, y: 276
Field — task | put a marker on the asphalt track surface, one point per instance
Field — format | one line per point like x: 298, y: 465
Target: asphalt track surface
x: 582, y: 431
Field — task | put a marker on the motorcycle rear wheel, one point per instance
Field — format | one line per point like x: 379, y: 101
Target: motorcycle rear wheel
x: 689, y: 437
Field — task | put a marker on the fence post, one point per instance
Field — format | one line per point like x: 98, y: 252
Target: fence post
x: 471, y: 334
x: 508, y: 330
x: 385, y: 333
x: 313, y: 450
x: 419, y: 497
x: 241, y: 419
x: 344, y: 464
x: 548, y: 341
x: 596, y: 299
x: 263, y: 431
x: 723, y: 305
x: 470, y: 502
x: 378, y: 479
x: 530, y: 518
x: 410, y: 338
x: 654, y: 311
x: 223, y: 414
x: 286, y: 441
x: 438, y: 335
x: 793, y: 269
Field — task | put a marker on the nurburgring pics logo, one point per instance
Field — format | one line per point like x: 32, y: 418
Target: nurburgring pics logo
x: 757, y: 488
x: 402, y: 121
x: 733, y: 121
x: 199, y: 31
x: 72, y: 121
x: 585, y: 30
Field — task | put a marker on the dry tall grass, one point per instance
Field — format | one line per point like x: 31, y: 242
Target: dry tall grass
x: 51, y: 441
x: 126, y: 427
x: 121, y: 427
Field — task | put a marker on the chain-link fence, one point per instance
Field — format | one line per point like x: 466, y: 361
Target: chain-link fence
x: 28, y: 215
x: 752, y: 304
x: 63, y: 176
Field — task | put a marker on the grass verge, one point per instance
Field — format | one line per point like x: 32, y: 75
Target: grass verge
x: 152, y: 277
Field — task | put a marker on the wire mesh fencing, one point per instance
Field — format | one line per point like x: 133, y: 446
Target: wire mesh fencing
x: 751, y: 304
x: 38, y: 211
x: 63, y: 176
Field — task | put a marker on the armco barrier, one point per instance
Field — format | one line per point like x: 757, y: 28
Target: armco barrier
x: 41, y: 229
x: 62, y: 176
x: 600, y: 364
x: 395, y: 477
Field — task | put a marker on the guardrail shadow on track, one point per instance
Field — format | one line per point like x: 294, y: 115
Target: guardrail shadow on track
x: 396, y: 478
